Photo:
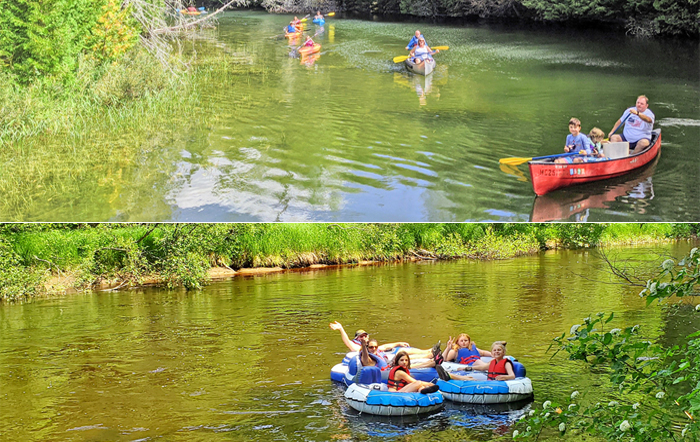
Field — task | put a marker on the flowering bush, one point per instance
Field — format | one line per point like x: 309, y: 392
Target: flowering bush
x: 666, y: 378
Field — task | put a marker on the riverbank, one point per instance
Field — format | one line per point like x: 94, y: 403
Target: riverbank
x: 55, y: 259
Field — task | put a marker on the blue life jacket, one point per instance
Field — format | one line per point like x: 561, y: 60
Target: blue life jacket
x: 468, y: 355
x: 291, y: 29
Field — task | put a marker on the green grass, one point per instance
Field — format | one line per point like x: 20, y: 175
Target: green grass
x: 181, y: 254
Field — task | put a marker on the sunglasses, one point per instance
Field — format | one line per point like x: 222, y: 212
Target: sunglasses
x: 371, y: 347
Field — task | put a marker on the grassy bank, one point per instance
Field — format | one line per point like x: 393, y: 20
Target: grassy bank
x: 183, y: 254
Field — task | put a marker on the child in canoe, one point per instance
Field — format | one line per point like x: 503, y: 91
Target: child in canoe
x: 576, y: 142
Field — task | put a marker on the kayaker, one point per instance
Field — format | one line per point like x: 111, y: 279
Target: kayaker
x: 318, y: 16
x: 309, y: 42
x: 422, y: 51
x: 290, y: 29
x: 639, y: 122
x: 414, y: 40
x: 400, y: 377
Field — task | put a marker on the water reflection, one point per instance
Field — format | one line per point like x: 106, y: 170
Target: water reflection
x: 635, y: 192
x: 424, y: 85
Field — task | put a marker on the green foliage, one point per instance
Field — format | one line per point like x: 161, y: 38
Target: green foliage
x: 644, y: 17
x: 182, y: 254
x: 115, y: 32
x: 16, y: 281
x: 666, y: 379
x: 44, y: 38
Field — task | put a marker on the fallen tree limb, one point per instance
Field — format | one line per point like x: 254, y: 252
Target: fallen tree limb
x: 193, y: 23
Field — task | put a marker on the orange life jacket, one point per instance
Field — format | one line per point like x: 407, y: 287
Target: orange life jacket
x: 393, y: 383
x: 498, y: 368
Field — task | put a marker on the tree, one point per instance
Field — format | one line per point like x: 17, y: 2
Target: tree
x: 667, y: 378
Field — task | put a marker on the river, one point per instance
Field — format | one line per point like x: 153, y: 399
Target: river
x: 250, y: 358
x: 353, y: 136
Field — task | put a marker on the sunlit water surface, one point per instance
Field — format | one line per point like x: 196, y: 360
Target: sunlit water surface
x: 352, y: 136
x: 250, y: 358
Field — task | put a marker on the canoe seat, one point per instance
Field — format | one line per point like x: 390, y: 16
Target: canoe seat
x: 619, y: 149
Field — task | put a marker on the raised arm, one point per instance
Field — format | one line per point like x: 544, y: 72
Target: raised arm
x: 449, y: 352
x: 365, y: 359
x: 335, y: 325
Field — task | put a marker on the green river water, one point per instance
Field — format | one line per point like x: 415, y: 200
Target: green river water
x: 250, y: 358
x: 352, y: 136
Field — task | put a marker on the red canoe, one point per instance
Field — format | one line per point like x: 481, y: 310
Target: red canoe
x: 547, y: 175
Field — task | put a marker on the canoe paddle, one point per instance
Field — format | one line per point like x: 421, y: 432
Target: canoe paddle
x: 402, y: 58
x: 515, y: 161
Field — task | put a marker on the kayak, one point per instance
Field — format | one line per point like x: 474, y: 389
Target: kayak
x: 548, y: 176
x: 423, y: 68
x: 306, y: 50
x: 292, y: 35
x: 319, y: 21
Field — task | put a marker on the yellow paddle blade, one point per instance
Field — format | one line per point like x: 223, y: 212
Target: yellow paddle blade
x: 441, y: 48
x: 515, y: 161
x: 331, y: 14
x: 400, y: 58
x: 304, y: 19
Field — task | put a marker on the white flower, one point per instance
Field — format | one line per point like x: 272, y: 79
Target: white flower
x: 613, y: 404
x: 522, y: 417
x: 515, y: 433
x: 562, y: 427
x: 532, y: 413
x: 546, y: 404
x: 574, y: 394
x: 574, y: 328
x: 624, y: 426
x: 697, y: 308
x: 615, y: 331
x: 685, y: 430
x: 635, y: 406
x: 587, y: 320
x: 546, y: 415
x: 572, y: 406
x: 660, y: 395
x: 528, y: 429
x: 668, y: 264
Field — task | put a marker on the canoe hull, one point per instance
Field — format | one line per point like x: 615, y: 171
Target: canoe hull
x: 548, y: 176
x: 424, y: 68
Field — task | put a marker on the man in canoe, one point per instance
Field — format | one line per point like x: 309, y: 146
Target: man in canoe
x: 639, y: 122
x: 414, y: 40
